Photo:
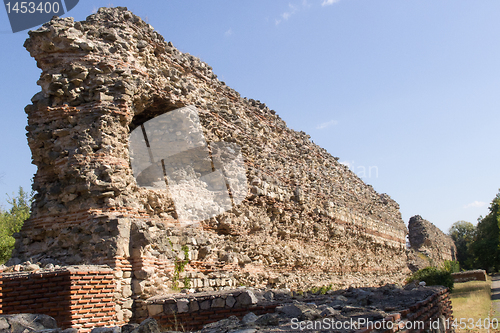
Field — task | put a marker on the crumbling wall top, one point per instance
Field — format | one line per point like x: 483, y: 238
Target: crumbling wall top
x: 428, y: 239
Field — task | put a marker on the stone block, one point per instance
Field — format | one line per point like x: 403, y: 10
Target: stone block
x: 127, y: 314
x: 170, y: 308
x: 154, y: 309
x: 137, y: 287
x: 4, y: 325
x: 127, y: 304
x: 230, y: 301
x: 246, y: 298
x: 249, y: 318
x: 290, y: 310
x: 144, y: 273
x: 127, y: 291
x: 147, y: 326
x: 268, y: 319
x: 205, y: 305
x: 218, y: 302
x: 193, y: 306
x: 182, y: 305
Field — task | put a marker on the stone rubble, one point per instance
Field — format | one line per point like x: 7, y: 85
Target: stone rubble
x: 373, y: 304
x: 28, y: 323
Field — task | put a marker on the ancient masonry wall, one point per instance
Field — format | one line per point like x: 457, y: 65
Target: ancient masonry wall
x: 78, y: 297
x: 306, y: 220
x: 429, y: 245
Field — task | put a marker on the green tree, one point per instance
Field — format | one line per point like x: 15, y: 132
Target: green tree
x: 486, y: 245
x: 11, y: 222
x: 462, y: 233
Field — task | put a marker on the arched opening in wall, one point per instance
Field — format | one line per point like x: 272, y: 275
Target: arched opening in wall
x: 146, y: 167
x: 158, y: 107
x: 168, y: 151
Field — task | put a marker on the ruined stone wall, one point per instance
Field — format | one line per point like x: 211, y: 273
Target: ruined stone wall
x: 429, y: 245
x: 306, y: 219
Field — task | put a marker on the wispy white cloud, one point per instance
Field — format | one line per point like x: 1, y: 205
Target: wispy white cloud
x: 228, y: 32
x: 329, y: 2
x: 476, y: 204
x: 327, y: 124
x: 292, y: 10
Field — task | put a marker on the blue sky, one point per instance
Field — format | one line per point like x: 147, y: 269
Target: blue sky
x: 405, y: 92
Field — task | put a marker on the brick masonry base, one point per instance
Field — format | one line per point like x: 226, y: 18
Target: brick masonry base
x: 81, y: 299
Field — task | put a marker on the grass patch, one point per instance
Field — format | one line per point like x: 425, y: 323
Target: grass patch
x: 472, y: 300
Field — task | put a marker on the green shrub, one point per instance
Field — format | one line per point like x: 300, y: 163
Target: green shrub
x: 11, y: 222
x: 451, y: 266
x: 433, y: 277
x: 321, y: 290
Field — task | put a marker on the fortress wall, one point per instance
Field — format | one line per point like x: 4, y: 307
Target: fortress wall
x: 305, y: 220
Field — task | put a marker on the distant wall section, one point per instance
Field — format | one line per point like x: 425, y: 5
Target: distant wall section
x: 429, y: 245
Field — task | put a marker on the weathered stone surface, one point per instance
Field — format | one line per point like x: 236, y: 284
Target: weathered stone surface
x: 290, y: 310
x: 114, y: 329
x: 224, y: 325
x: 25, y: 323
x: 249, y: 318
x: 218, y: 302
x: 268, y: 319
x: 147, y: 326
x: 205, y: 305
x: 129, y: 327
x: 182, y: 305
x: 4, y: 324
x: 193, y: 306
x: 429, y: 245
x: 246, y: 298
x: 230, y: 301
x: 155, y: 309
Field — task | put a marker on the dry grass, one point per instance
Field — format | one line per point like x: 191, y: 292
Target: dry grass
x: 472, y: 300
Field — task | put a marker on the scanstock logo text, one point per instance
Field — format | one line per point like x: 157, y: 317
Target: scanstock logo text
x: 29, y: 14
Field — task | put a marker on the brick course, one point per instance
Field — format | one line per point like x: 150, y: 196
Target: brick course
x: 72, y: 297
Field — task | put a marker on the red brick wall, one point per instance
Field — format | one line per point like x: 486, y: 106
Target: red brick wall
x: 78, y: 299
